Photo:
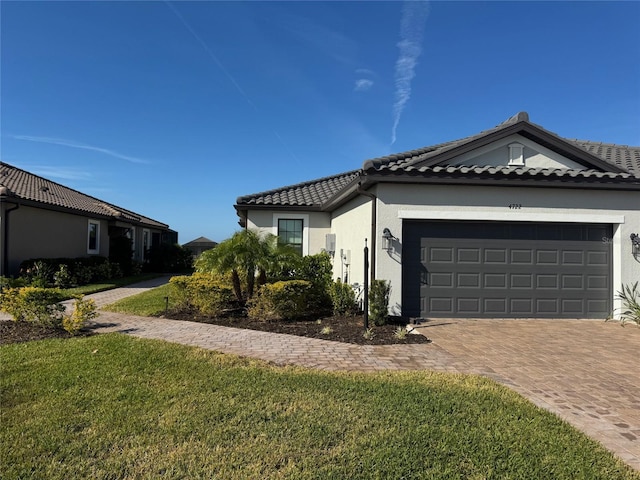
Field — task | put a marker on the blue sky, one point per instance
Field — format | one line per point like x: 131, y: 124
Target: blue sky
x: 174, y: 109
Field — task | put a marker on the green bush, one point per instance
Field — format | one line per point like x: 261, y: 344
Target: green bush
x: 83, y: 311
x: 284, y: 300
x: 65, y: 272
x: 379, y: 301
x: 205, y: 293
x: 33, y: 304
x: 343, y: 298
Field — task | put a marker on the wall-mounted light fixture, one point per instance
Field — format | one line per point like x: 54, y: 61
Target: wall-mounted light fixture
x: 635, y: 244
x: 387, y: 238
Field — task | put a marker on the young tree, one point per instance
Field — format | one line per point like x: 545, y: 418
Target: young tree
x: 247, y: 253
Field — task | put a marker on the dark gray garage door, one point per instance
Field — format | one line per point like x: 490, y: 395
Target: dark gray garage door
x: 498, y: 269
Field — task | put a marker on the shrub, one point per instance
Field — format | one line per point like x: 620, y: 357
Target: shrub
x: 630, y: 296
x: 343, y: 298
x: 83, y: 311
x: 283, y: 300
x: 203, y: 292
x: 33, y: 304
x: 379, y: 301
x: 62, y: 278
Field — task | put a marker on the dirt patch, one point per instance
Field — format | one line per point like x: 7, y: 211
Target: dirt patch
x: 346, y: 329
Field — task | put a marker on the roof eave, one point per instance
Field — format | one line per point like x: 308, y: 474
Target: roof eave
x: 506, y: 181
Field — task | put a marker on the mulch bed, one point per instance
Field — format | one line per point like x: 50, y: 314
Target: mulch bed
x: 346, y: 329
x: 18, y: 332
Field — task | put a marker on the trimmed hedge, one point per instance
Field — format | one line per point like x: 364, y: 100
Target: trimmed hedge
x: 282, y: 300
x: 205, y: 293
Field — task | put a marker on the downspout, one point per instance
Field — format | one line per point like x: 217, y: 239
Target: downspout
x: 374, y: 206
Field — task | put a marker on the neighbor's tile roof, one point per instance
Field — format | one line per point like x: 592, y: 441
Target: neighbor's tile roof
x: 313, y: 193
x: 21, y: 184
x: 317, y: 192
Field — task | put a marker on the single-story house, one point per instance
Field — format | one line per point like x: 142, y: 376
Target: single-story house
x: 199, y: 245
x: 514, y: 222
x: 43, y: 219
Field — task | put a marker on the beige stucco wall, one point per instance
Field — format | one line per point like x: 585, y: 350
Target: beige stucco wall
x: 431, y: 202
x: 35, y: 232
x: 351, y: 223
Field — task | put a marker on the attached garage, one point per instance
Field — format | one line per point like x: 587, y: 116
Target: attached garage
x: 509, y: 270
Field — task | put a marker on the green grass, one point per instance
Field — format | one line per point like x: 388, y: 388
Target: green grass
x: 113, y: 406
x: 108, y: 285
x: 146, y: 304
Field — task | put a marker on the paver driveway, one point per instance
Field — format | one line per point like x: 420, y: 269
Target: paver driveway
x: 585, y: 371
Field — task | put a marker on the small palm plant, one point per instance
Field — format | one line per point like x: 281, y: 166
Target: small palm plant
x: 630, y: 296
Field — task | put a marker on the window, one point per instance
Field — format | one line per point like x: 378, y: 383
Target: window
x: 93, y: 237
x: 290, y: 232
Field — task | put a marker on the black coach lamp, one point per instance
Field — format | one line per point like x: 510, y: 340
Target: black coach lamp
x: 635, y: 244
x: 387, y: 237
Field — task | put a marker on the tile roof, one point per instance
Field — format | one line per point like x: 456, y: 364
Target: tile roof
x: 417, y: 162
x: 312, y: 193
x: 18, y: 183
x: 625, y: 157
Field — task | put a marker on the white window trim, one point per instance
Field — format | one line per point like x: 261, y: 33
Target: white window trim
x: 305, y: 227
x: 96, y: 250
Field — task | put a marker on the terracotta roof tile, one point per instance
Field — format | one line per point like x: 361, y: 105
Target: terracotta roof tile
x: 27, y: 186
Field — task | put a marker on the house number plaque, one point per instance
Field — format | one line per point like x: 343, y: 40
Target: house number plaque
x: 515, y: 206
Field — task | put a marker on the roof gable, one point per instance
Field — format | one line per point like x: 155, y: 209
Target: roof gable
x: 442, y: 154
x: 553, y: 161
x: 22, y: 185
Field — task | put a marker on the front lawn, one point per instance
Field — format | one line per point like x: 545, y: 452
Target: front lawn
x: 113, y: 406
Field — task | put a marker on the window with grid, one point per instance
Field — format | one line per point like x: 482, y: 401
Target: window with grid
x: 290, y: 233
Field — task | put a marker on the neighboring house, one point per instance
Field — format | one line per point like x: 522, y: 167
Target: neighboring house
x: 199, y: 245
x: 43, y: 219
x: 515, y: 221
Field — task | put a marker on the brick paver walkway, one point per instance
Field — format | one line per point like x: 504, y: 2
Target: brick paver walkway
x: 584, y: 371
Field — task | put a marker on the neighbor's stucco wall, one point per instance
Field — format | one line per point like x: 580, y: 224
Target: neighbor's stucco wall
x: 431, y: 202
x: 316, y: 225
x: 39, y: 233
x: 351, y: 223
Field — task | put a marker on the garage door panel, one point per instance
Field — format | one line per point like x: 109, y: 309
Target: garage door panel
x: 521, y: 257
x: 494, y: 255
x: 441, y: 255
x: 506, y: 269
x: 468, y: 280
x: 495, y: 280
x: 469, y: 255
x: 572, y: 257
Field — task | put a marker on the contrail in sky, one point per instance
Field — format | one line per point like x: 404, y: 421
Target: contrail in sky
x: 73, y: 144
x: 225, y: 71
x: 414, y: 16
